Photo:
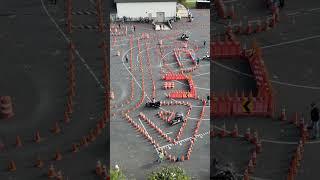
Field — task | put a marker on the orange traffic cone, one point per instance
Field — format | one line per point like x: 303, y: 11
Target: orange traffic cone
x: 59, y: 176
x: 259, y: 26
x: 37, y: 137
x: 18, y: 141
x: 84, y: 141
x: 254, y: 139
x: 39, y: 163
x: 247, y: 135
x: 266, y: 25
x: 66, y: 118
x: 223, y: 131
x: 182, y: 158
x: 235, y: 132
x: 246, y: 175
x: 258, y: 146
x: 283, y: 116
x: 254, y: 158
x: 272, y: 21
x: 250, y: 167
x: 12, y: 166
x: 249, y: 28
x: 75, y: 147
x: 56, y: 129
x: 69, y: 108
x: 51, y: 172
x: 57, y: 156
x: 98, y: 129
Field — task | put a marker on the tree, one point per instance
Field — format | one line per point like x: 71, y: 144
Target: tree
x: 181, y: 1
x: 169, y: 173
x: 117, y: 175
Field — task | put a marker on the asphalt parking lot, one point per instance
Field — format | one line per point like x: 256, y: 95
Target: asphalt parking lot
x: 34, y: 54
x: 289, y: 51
x: 129, y: 149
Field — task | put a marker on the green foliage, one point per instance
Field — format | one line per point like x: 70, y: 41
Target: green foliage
x: 169, y: 173
x: 117, y: 175
x: 181, y: 1
x: 189, y: 3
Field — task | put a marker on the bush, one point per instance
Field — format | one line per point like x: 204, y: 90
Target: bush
x: 169, y: 173
x: 114, y: 175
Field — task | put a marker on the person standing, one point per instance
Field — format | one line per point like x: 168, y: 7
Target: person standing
x: 127, y: 59
x: 315, y: 120
x: 134, y: 28
x: 204, y: 43
x: 161, y: 156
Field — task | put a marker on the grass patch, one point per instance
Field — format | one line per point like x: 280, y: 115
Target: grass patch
x: 191, y: 4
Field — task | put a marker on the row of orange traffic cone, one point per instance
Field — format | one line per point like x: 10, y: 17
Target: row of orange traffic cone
x: 251, y: 165
x: 69, y: 15
x: 150, y: 69
x: 297, y: 121
x: 253, y: 138
x: 150, y: 139
x: 195, y: 132
x: 71, y: 84
x: 188, y: 70
x: 184, y: 124
x: 259, y: 26
x: 142, y: 131
x: 155, y: 127
x: 295, y: 161
x: 222, y: 10
x: 100, y: 15
x: 170, y: 103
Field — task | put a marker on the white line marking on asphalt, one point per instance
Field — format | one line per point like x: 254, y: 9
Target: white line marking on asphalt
x: 185, y: 140
x: 84, y: 62
x: 291, y: 42
x: 201, y: 74
x: 275, y: 82
x: 195, y: 86
x: 314, y: 9
x: 293, y: 13
x: 198, y: 118
x: 275, y: 141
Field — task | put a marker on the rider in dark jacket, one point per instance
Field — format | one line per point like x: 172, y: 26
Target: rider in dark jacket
x: 315, y: 120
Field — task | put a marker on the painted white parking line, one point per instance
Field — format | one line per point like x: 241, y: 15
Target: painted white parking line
x: 84, y: 62
x: 184, y: 140
x: 273, y: 81
x: 291, y: 42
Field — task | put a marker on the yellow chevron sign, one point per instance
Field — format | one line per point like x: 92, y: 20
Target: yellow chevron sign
x: 247, y: 105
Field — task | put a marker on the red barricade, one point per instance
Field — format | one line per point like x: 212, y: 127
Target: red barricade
x: 226, y: 49
x: 242, y: 106
x: 173, y: 76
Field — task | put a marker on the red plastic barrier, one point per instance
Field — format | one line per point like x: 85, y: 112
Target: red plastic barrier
x: 242, y: 106
x: 173, y: 76
x: 226, y: 49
